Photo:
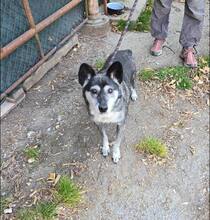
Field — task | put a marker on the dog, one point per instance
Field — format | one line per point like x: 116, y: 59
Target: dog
x: 107, y: 95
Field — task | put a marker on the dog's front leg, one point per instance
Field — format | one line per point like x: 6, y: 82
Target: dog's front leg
x: 116, y: 145
x: 105, y: 141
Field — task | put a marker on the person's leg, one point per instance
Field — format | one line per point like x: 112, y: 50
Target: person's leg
x: 160, y: 18
x: 159, y: 24
x: 191, y: 29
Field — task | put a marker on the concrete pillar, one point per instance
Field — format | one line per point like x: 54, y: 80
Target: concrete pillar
x: 97, y: 25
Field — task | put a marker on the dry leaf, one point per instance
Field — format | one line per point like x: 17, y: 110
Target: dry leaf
x: 192, y: 150
x: 196, y: 78
x: 205, y: 69
x: 51, y: 177
x: 56, y: 179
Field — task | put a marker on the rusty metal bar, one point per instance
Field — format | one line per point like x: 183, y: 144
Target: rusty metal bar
x: 31, y: 22
x: 9, y: 48
x: 86, y: 8
x: 36, y: 66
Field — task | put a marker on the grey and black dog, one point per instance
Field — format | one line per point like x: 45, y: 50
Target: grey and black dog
x: 107, y: 95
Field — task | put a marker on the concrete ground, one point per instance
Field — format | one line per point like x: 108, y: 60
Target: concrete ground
x: 54, y: 116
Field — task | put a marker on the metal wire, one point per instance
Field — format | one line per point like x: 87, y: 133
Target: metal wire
x: 14, y: 23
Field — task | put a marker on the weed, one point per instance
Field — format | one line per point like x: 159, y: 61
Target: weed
x: 31, y: 152
x: 65, y: 192
x: 27, y: 214
x: 142, y: 24
x: 147, y: 74
x: 44, y: 211
x: 99, y: 64
x: 144, y: 19
x: 122, y: 23
x: 179, y: 74
x: 4, y: 203
x: 47, y: 210
x: 153, y: 146
x: 68, y: 192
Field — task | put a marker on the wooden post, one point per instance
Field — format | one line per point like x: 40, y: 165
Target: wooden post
x: 93, y: 10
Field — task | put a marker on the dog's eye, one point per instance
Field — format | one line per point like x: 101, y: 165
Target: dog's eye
x: 110, y: 90
x: 94, y: 91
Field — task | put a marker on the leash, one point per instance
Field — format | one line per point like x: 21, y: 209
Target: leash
x: 124, y: 32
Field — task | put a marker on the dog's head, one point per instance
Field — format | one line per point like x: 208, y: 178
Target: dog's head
x: 102, y: 90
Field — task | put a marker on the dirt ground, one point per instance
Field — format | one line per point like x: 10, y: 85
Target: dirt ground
x: 54, y: 116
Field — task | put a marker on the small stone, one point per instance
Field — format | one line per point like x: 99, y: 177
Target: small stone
x: 31, y: 134
x: 59, y: 117
x: 31, y: 160
x: 57, y: 126
x: 8, y: 211
x: 3, y: 194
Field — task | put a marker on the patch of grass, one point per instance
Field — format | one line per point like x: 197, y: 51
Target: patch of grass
x: 31, y: 152
x: 144, y: 19
x: 27, y: 214
x: 122, y: 23
x: 44, y: 211
x: 153, y: 146
x: 99, y: 64
x: 65, y: 192
x: 142, y: 24
x: 68, y: 192
x: 47, y: 210
x: 180, y: 75
x: 147, y: 74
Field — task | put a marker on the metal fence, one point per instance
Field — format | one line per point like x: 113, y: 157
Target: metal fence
x: 30, y: 29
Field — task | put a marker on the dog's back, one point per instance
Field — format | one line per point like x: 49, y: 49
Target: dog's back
x: 125, y: 57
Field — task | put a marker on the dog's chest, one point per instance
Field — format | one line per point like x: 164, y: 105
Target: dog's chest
x: 108, y: 117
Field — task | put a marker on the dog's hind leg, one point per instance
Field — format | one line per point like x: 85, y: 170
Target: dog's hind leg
x: 116, y: 145
x: 105, y: 142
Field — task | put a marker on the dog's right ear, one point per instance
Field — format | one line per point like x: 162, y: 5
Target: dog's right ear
x: 85, y: 73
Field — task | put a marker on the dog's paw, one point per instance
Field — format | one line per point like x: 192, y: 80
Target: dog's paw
x: 134, y: 95
x: 116, y: 156
x: 105, y: 150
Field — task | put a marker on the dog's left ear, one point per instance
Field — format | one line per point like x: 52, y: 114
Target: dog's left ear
x: 85, y: 73
x: 115, y: 71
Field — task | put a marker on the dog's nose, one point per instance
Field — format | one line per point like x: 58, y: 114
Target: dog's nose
x: 103, y: 109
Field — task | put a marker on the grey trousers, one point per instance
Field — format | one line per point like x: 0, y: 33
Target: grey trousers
x: 192, y: 22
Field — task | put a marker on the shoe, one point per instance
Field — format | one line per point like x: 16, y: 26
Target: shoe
x: 157, y: 47
x: 188, y: 56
